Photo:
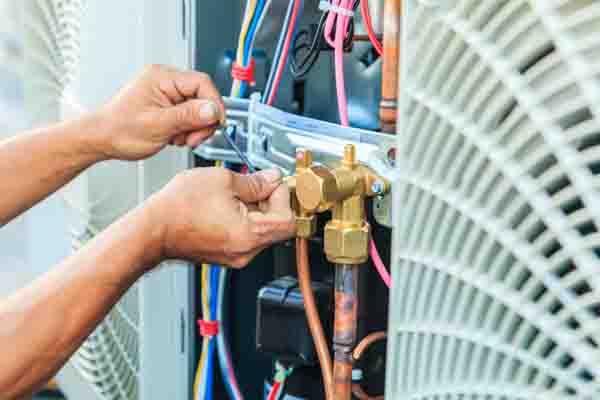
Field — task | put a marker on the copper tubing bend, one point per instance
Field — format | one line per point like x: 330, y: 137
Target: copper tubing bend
x: 357, y: 390
x: 390, y: 67
x: 312, y: 315
x: 360, y: 394
x: 366, y: 343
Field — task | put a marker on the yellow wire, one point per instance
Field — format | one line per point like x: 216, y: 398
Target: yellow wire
x: 205, y: 292
x: 244, y: 31
x: 205, y: 315
x: 241, y: 41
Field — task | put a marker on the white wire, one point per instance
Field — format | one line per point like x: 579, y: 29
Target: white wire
x: 223, y: 352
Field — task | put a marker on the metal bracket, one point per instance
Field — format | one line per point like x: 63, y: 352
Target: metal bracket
x: 271, y: 137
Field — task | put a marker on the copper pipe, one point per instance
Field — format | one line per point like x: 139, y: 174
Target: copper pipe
x: 367, y: 342
x: 390, y: 69
x: 360, y: 393
x: 364, y: 344
x: 344, y: 328
x: 312, y: 316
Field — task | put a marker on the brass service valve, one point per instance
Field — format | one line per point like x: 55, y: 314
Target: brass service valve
x: 343, y: 190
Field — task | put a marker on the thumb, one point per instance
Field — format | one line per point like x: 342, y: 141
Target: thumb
x: 190, y: 116
x: 256, y: 187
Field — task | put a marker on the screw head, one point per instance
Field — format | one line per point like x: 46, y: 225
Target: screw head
x: 378, y: 187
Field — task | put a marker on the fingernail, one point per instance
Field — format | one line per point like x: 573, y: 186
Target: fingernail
x: 271, y: 175
x: 209, y: 110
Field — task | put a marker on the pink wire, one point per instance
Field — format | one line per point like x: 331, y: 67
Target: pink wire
x: 329, y: 24
x: 381, y: 269
x: 341, y: 31
x: 284, y: 53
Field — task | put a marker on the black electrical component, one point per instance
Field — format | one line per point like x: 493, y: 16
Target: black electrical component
x: 281, y: 327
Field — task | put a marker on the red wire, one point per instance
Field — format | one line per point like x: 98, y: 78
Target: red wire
x: 274, y: 391
x: 364, y: 9
x: 284, y: 53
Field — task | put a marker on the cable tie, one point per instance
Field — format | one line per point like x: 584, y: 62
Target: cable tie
x: 326, y: 6
x: 245, y: 74
x: 208, y: 328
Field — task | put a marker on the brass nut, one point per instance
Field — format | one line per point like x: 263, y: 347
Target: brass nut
x: 347, y: 245
x: 315, y: 188
x: 306, y: 226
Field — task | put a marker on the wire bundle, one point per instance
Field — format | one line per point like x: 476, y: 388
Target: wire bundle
x: 281, y: 375
x: 282, y: 50
x: 336, y: 31
x: 254, y: 15
x: 223, y: 351
x: 311, y: 47
x: 203, y: 383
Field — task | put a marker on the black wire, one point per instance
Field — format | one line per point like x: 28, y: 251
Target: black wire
x: 300, y: 67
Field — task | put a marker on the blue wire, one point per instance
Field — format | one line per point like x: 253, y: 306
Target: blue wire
x: 214, y: 292
x: 252, y: 31
x: 209, y: 367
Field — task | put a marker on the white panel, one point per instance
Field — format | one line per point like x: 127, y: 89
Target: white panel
x: 167, y: 346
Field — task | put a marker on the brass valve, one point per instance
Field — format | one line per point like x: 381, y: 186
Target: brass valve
x: 306, y: 222
x: 343, y: 190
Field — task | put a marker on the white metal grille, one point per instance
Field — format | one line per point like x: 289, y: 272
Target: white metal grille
x: 496, y: 249
x: 52, y: 44
x: 109, y: 358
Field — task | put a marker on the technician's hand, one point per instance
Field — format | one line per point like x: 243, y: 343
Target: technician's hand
x: 217, y: 216
x: 162, y: 106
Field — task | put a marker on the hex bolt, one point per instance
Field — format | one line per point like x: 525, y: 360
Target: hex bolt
x: 378, y: 187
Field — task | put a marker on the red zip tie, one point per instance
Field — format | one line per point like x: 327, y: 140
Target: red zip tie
x: 208, y: 328
x: 245, y: 74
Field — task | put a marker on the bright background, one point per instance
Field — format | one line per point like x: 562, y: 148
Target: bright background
x: 37, y: 240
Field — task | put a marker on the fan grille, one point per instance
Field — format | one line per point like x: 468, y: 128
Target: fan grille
x: 496, y: 280
x: 109, y: 358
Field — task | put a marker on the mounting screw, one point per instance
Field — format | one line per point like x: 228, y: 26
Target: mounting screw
x: 378, y: 187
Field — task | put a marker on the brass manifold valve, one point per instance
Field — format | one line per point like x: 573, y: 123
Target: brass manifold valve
x: 342, y: 189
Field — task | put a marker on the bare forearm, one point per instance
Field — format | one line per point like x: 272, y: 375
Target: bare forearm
x: 35, y: 164
x: 43, y: 324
